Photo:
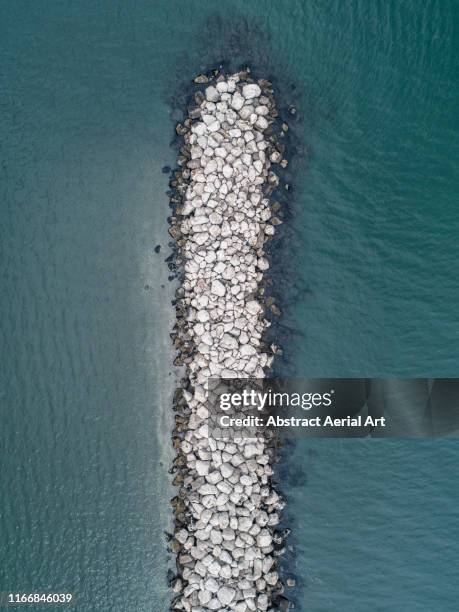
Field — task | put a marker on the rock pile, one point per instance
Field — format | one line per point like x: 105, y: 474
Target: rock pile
x: 226, y: 509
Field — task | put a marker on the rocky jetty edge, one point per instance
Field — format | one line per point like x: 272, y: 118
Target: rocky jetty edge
x: 226, y: 514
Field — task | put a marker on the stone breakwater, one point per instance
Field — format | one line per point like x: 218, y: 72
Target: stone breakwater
x: 226, y: 511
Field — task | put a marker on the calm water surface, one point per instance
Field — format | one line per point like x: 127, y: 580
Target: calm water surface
x: 366, y: 267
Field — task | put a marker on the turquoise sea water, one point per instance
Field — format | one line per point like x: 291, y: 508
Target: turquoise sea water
x: 90, y: 91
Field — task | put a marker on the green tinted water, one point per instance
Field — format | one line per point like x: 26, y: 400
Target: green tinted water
x: 368, y: 284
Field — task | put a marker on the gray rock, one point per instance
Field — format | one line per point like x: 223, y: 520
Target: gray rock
x: 218, y: 288
x: 251, y: 91
x: 226, y: 595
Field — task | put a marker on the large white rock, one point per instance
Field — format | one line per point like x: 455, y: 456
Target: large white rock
x: 207, y: 339
x: 212, y: 94
x: 226, y: 595
x: 237, y: 101
x: 263, y: 263
x: 210, y: 167
x: 226, y: 470
x: 216, y: 537
x: 214, y: 568
x: 264, y: 539
x: 262, y: 110
x: 202, y: 315
x: 229, y: 342
x: 182, y: 536
x: 218, y: 288
x: 251, y: 91
x: 253, y: 307
x: 214, y: 127
x: 227, y: 171
x: 215, y: 218
x: 245, y: 523
x: 247, y: 350
x: 204, y: 596
x: 250, y: 450
x: 211, y: 585
x: 214, y: 477
x: 202, y: 467
x: 208, y: 489
x: 262, y: 123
